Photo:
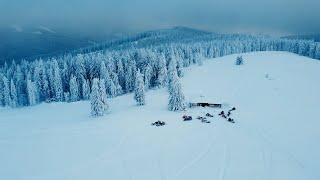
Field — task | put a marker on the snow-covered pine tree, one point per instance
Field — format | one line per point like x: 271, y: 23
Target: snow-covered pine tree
x: 74, y: 89
x: 172, y: 70
x: 95, y: 98
x: 176, y: 96
x: 1, y: 91
x: 104, y: 75
x: 85, y: 89
x: 317, y: 51
x: 147, y: 76
x: 65, y: 76
x: 120, y: 73
x: 51, y: 83
x: 13, y: 95
x: 80, y: 67
x: 312, y: 48
x: 20, y: 86
x: 94, y: 66
x: 6, y: 92
x: 162, y: 71
x: 57, y: 83
x: 103, y: 95
x: 116, y: 84
x: 40, y: 78
x: 139, y: 91
x: 66, y: 96
x: 179, y: 66
x: 199, y: 59
x: 98, y: 107
x: 112, y: 90
x: 31, y: 93
x: 239, y: 60
x: 129, y: 75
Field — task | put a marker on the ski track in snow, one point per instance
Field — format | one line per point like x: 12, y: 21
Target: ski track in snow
x: 102, y: 156
x: 225, y: 162
x: 198, y: 158
x: 262, y: 133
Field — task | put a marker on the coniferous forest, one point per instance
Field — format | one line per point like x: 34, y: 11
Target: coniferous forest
x: 151, y: 55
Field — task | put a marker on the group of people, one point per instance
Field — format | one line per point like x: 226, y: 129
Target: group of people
x: 158, y: 123
x: 203, y: 119
x: 222, y: 114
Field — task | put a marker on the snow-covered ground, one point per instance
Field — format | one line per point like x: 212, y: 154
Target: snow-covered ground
x: 276, y: 134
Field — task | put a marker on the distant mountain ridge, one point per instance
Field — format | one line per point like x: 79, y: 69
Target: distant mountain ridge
x: 36, y: 42
x: 45, y: 43
x: 315, y: 37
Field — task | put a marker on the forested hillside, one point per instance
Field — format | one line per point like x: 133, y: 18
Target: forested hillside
x: 69, y: 77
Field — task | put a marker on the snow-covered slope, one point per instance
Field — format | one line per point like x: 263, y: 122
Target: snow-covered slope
x: 275, y: 135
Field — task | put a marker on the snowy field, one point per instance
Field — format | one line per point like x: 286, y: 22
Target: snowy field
x: 275, y: 137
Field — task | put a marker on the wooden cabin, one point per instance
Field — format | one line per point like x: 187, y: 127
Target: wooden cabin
x: 205, y: 104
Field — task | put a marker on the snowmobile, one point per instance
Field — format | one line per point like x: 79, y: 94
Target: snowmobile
x: 201, y: 118
x: 187, y: 118
x: 221, y: 113
x: 209, y: 115
x: 158, y: 123
x: 205, y: 121
x: 231, y: 120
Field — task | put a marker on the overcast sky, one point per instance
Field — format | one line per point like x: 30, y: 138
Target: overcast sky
x: 91, y: 16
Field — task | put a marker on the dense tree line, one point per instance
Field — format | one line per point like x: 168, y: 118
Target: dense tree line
x: 75, y: 77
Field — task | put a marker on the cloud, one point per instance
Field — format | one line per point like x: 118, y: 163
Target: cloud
x: 17, y: 28
x: 95, y: 16
x: 44, y: 28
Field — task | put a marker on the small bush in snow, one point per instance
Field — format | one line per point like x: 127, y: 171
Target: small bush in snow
x: 239, y: 60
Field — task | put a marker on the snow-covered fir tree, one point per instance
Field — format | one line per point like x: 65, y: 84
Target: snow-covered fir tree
x: 57, y: 82
x: 103, y: 96
x: 105, y: 75
x: 199, y: 59
x: 85, y: 89
x: 120, y: 72
x: 129, y: 76
x: 51, y: 83
x: 65, y: 76
x: 31, y: 93
x: 74, y: 89
x: 139, y: 90
x: 116, y: 89
x: 112, y: 90
x: 147, y: 76
x: 13, y: 95
x: 95, y: 98
x: 40, y: 78
x: 66, y: 96
x: 6, y: 91
x: 172, y: 71
x: 98, y: 98
x: 317, y: 51
x: 20, y: 86
x: 176, y: 96
x: 1, y: 91
x: 162, y: 71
